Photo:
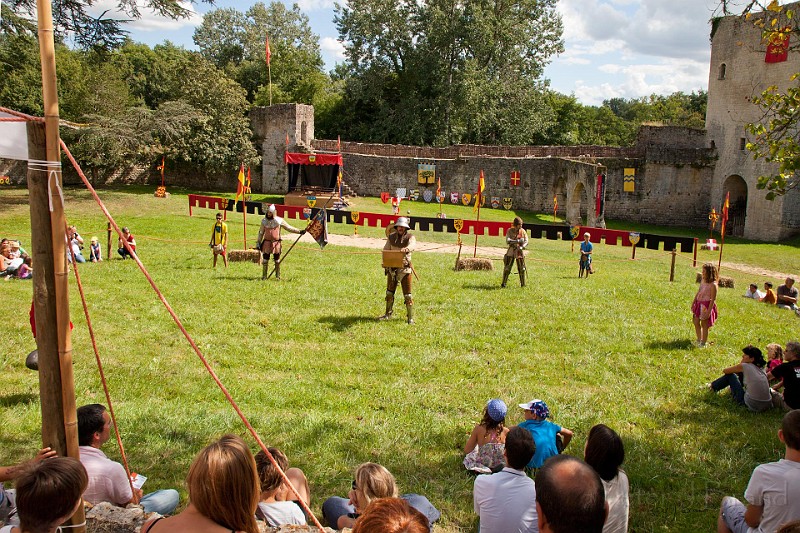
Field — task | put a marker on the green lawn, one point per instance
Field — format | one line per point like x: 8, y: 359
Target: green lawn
x: 320, y: 378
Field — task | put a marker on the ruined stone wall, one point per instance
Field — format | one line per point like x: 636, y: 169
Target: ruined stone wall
x: 272, y: 126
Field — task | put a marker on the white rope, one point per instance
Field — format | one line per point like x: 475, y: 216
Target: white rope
x: 59, y: 529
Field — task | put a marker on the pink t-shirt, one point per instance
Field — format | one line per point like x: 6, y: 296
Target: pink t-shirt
x: 108, y: 481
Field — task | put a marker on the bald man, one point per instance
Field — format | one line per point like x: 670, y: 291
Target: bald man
x: 569, y: 497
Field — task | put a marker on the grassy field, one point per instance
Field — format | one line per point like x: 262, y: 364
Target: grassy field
x: 320, y: 378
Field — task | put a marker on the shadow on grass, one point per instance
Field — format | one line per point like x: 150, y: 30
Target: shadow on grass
x: 677, y: 344
x: 17, y: 399
x: 341, y: 323
x: 484, y: 286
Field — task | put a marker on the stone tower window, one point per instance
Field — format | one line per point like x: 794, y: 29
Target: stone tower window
x: 742, y: 143
x: 303, y: 129
x: 722, y: 69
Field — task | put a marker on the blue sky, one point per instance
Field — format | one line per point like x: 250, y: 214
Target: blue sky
x: 613, y: 48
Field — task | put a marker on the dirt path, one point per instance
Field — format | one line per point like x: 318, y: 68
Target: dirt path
x: 495, y: 252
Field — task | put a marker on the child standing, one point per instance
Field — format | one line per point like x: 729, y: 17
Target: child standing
x: 545, y: 433
x: 94, y: 251
x: 704, y: 306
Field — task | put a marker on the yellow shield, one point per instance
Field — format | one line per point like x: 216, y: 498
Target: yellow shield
x: 466, y: 198
x: 311, y: 201
x: 354, y: 216
x: 458, y: 224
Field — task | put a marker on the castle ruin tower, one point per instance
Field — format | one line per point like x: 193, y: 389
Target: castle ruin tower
x: 272, y: 126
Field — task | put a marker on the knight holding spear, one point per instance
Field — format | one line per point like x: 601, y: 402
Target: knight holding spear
x: 269, y: 240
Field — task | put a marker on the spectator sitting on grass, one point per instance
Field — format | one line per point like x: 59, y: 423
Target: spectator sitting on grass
x: 48, y: 493
x: 569, y: 497
x: 787, y: 295
x: 127, y: 236
x: 278, y: 503
x: 372, y: 481
x: 391, y: 515
x: 223, y: 492
x: 773, y: 493
x: 486, y: 443
x: 605, y: 453
x: 753, y: 292
x: 754, y: 391
x: 769, y: 294
x: 506, y: 500
x: 8, y: 473
x: 789, y: 374
x: 550, y: 438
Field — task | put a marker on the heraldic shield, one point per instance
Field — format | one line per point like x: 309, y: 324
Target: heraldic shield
x: 507, y: 203
x: 311, y: 201
x: 458, y: 224
x: 413, y: 195
x: 495, y: 202
x: 385, y: 197
x: 401, y: 192
x: 466, y: 198
x: 453, y: 197
x: 427, y: 195
x: 355, y: 216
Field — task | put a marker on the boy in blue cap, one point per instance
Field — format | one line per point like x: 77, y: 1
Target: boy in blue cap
x: 544, y: 432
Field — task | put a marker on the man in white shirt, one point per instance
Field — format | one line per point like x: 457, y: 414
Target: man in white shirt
x: 108, y: 481
x: 506, y: 500
x: 773, y: 493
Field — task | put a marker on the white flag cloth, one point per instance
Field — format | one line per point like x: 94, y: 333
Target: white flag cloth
x: 13, y: 139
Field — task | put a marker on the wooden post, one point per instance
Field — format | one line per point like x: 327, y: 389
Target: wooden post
x: 672, y: 266
x: 633, y: 252
x: 694, y: 256
x: 51, y: 306
x: 458, y: 257
x: 108, y: 242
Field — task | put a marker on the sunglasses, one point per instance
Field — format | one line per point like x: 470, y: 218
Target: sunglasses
x: 353, y: 485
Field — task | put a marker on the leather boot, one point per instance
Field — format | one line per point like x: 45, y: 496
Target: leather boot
x: 410, y: 313
x: 506, y: 272
x: 264, y: 270
x: 522, y: 271
x: 389, y: 305
x: 278, y: 269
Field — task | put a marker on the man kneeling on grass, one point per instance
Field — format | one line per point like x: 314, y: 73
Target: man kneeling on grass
x: 773, y: 493
x: 108, y: 481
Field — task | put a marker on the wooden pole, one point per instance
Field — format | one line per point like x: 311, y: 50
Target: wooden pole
x: 672, y: 266
x: 108, y: 242
x: 478, y: 201
x: 694, y: 256
x: 48, y: 243
x: 51, y: 307
x: 633, y: 252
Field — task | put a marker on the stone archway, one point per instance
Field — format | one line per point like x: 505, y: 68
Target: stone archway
x: 737, y: 213
x: 578, y: 206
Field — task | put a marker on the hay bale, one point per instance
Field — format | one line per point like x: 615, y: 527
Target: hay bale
x: 728, y: 283
x: 249, y: 255
x: 474, y: 263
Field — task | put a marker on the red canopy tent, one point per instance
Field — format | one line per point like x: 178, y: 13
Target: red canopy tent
x: 312, y: 170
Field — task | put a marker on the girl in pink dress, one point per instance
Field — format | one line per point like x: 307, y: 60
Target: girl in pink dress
x: 704, y: 305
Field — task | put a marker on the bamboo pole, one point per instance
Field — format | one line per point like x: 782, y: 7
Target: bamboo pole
x: 51, y: 296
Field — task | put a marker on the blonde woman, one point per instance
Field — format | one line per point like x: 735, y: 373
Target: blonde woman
x: 223, y: 492
x: 372, y: 481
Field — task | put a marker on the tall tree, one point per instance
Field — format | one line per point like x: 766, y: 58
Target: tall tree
x: 444, y: 71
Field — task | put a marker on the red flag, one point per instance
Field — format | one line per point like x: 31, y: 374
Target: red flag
x: 725, y: 208
x: 269, y: 54
x: 555, y: 205
x: 778, y: 47
x: 240, y: 183
x: 247, y: 183
x: 338, y: 143
x: 439, y: 191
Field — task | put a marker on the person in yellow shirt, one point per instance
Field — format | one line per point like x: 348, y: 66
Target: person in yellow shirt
x: 219, y: 240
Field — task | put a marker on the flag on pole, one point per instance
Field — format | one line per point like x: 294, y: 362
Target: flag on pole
x: 247, y: 189
x: 268, y: 53
x: 725, y: 208
x: 555, y: 205
x: 439, y: 191
x: 319, y: 228
x: 338, y: 143
x: 240, y: 183
x: 479, y: 193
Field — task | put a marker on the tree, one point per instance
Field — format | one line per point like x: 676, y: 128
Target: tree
x: 445, y: 71
x: 70, y: 18
x: 235, y: 43
x: 777, y: 134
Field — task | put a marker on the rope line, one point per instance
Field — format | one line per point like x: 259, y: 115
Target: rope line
x: 100, y: 366
x: 186, y: 334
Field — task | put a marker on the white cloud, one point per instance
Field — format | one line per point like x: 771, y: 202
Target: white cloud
x: 149, y: 21
x: 312, y: 5
x: 332, y: 47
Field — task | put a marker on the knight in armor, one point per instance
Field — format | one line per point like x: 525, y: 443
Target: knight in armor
x: 269, y: 240
x: 517, y: 240
x: 400, y: 239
